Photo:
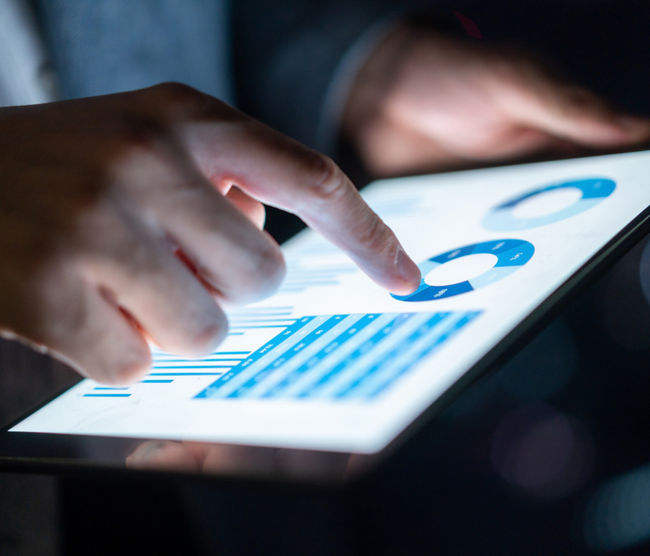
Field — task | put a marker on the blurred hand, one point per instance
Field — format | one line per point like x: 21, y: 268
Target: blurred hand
x: 424, y: 102
x: 118, y: 224
x: 199, y: 457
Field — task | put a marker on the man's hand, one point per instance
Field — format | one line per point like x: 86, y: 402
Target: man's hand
x: 119, y: 222
x: 424, y: 102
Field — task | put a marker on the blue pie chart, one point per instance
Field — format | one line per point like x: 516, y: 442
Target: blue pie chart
x: 511, y: 255
x: 593, y: 191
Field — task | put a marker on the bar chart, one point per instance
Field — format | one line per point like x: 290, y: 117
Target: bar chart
x: 338, y: 357
x: 184, y: 377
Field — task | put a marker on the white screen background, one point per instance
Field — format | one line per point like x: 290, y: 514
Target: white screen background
x: 430, y: 215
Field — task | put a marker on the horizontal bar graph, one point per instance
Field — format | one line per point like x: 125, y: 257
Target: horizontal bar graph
x: 338, y: 357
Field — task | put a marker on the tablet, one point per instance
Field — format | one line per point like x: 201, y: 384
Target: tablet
x: 333, y: 369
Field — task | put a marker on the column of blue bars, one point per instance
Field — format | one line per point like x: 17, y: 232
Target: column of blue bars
x: 387, y: 358
x: 308, y: 366
x: 361, y: 350
x: 212, y: 390
x: 313, y: 336
x: 447, y: 335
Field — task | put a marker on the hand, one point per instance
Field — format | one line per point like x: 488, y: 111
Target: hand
x: 98, y: 195
x: 424, y: 102
x: 200, y: 457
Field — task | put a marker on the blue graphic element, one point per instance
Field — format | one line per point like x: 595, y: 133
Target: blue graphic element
x: 106, y: 395
x: 338, y: 357
x: 594, y: 191
x: 510, y: 253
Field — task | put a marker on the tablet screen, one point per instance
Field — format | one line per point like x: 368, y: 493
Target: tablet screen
x: 332, y: 361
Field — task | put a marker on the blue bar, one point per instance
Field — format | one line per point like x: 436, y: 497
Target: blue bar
x: 215, y: 353
x: 317, y: 358
x: 385, y: 358
x: 111, y: 388
x: 202, y: 360
x: 106, y: 395
x: 312, y: 337
x: 157, y: 381
x: 255, y: 326
x: 389, y: 357
x: 253, y: 357
x: 366, y: 346
x: 254, y: 314
x: 184, y: 374
x: 194, y: 366
x: 448, y: 334
x: 391, y: 361
x: 264, y: 309
x: 262, y: 319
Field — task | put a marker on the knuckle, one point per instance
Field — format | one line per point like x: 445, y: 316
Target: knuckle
x: 265, y: 269
x: 375, y: 236
x: 133, y: 364
x: 141, y: 258
x: 106, y: 245
x: 271, y: 265
x: 139, y: 135
x: 139, y: 138
x: 328, y: 181
x: 142, y: 154
x: 132, y: 147
x: 175, y: 92
x: 103, y: 363
x: 207, y: 335
x: 173, y: 100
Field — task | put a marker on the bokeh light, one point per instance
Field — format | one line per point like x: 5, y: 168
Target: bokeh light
x: 617, y: 515
x: 542, y: 451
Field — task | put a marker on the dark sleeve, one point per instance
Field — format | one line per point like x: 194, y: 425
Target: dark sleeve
x: 294, y: 60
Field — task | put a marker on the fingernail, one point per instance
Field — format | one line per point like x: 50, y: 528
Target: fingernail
x: 408, y: 270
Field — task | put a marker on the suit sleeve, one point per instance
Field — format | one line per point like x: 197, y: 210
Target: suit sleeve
x: 295, y: 61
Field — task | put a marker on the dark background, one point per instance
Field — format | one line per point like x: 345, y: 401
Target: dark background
x: 547, y: 455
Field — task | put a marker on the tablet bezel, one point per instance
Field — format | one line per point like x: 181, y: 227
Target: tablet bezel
x: 61, y: 453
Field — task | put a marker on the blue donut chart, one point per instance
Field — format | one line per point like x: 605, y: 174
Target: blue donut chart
x: 511, y: 255
x: 593, y: 190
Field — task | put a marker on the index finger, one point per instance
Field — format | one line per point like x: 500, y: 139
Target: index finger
x: 544, y: 102
x: 283, y: 173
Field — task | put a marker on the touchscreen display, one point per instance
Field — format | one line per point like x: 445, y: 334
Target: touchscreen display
x: 333, y: 361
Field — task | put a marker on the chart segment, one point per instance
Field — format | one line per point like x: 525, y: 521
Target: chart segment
x: 511, y: 254
x: 593, y: 191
